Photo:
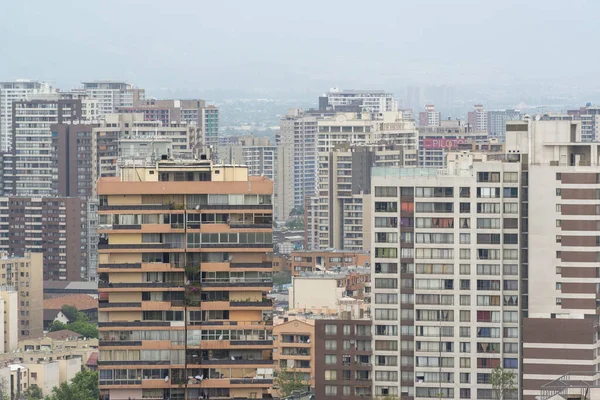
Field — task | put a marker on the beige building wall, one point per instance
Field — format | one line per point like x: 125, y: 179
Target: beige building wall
x: 68, y: 368
x: 10, y: 319
x: 292, y: 340
x: 45, y: 375
x: 314, y: 293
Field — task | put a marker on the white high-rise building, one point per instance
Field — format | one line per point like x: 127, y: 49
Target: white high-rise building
x: 111, y: 95
x: 362, y: 100
x: 14, y: 91
x: 446, y: 278
x: 296, y: 161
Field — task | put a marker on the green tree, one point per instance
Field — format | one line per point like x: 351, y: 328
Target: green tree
x: 33, y: 392
x: 83, y: 386
x: 57, y: 326
x: 85, y: 329
x: 290, y: 381
x: 70, y: 312
x: 502, y: 381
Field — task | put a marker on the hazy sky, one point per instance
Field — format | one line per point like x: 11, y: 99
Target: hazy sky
x: 300, y: 45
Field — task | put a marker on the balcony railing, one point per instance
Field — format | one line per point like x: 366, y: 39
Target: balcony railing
x: 227, y: 361
x: 109, y: 342
x: 122, y: 266
x: 251, y: 342
x: 237, y: 284
x: 250, y: 381
x: 116, y: 305
x: 117, y: 227
x: 251, y: 265
x: 134, y: 323
x: 134, y: 362
x: 265, y: 303
x: 120, y: 382
x: 116, y: 285
x: 250, y: 226
x: 134, y: 207
x: 236, y: 206
x: 235, y: 245
x: 103, y: 246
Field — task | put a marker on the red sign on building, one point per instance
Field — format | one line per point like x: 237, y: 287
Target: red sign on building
x: 442, y: 143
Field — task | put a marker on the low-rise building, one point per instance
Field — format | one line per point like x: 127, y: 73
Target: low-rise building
x: 294, y: 349
x: 82, y: 302
x: 323, y: 260
x: 324, y: 290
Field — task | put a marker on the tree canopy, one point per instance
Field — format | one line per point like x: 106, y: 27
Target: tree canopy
x: 83, y: 386
x: 78, y: 322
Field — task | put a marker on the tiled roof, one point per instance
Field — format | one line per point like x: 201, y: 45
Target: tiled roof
x: 79, y: 301
x: 64, y: 334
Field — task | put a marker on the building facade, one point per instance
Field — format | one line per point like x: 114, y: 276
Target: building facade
x: 32, y: 142
x: 429, y: 117
x: 477, y: 119
x: 344, y: 359
x: 294, y: 350
x: 15, y: 91
x: 372, y: 101
x: 323, y: 260
x: 25, y: 275
x: 110, y: 95
x: 497, y: 120
x: 53, y: 226
x: 296, y: 161
x: 184, y: 263
x: 446, y: 278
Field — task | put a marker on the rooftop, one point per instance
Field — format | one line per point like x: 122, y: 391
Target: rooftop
x: 79, y: 301
x: 63, y: 334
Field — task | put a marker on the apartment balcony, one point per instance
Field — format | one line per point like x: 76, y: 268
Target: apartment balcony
x: 258, y: 284
x: 118, y: 266
x: 134, y: 207
x: 139, y: 285
x: 229, y: 361
x: 251, y: 304
x: 262, y: 265
x: 250, y: 226
x: 147, y: 324
x: 119, y: 305
x: 118, y: 343
x: 140, y: 246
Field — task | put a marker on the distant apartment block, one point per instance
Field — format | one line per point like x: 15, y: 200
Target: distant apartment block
x: 497, y: 120
x: 32, y: 119
x: 210, y: 126
x: 111, y: 95
x: 256, y: 153
x: 15, y: 91
x: 25, y: 275
x: 296, y: 161
x: 53, y: 226
x: 374, y: 101
x: 449, y: 136
x: 429, y: 117
x: 294, y: 350
x: 477, y: 119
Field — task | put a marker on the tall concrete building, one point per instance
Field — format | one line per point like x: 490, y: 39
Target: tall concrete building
x: 429, y: 117
x: 349, y: 145
x: 32, y: 141
x: 111, y: 95
x: 477, y: 119
x: 25, y: 275
x: 497, y: 120
x: 15, y: 91
x: 53, y: 226
x: 446, y: 277
x: 560, y: 331
x: 296, y: 161
x: 256, y: 153
x: 185, y: 269
x: 167, y: 111
x: 375, y: 101
x: 210, y: 126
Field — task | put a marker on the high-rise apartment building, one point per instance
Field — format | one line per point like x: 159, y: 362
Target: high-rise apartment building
x: 429, y: 117
x: 446, y: 277
x: 349, y: 145
x: 560, y: 331
x: 374, y: 101
x: 32, y: 141
x: 256, y: 153
x: 497, y: 119
x: 24, y: 274
x: 210, y: 126
x: 15, y: 91
x: 111, y: 95
x: 450, y: 135
x: 167, y: 111
x: 53, y: 226
x: 477, y: 119
x: 185, y: 268
x: 296, y: 161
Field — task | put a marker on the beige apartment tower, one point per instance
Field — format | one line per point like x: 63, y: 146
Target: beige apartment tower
x: 184, y: 262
